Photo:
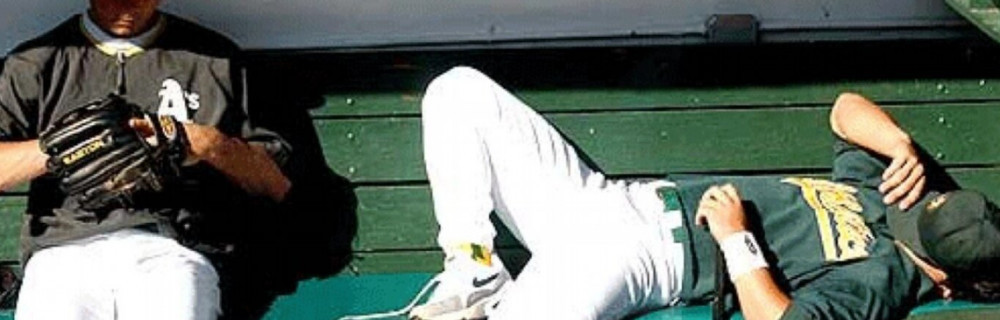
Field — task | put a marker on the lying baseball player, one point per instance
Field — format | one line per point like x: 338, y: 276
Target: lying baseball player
x: 870, y: 243
x: 104, y: 201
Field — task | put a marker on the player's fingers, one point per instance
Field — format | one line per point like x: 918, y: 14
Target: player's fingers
x: 732, y: 195
x: 701, y: 217
x: 900, y: 189
x: 911, y: 181
x: 707, y: 195
x: 715, y: 193
x: 893, y: 175
x: 704, y: 210
x: 897, y: 176
x: 708, y: 205
x: 721, y: 195
x: 914, y: 194
x: 893, y: 166
x: 142, y: 126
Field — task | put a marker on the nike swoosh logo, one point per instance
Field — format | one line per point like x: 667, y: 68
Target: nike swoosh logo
x: 476, y: 282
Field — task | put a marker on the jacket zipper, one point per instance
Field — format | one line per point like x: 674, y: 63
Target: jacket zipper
x: 120, y: 82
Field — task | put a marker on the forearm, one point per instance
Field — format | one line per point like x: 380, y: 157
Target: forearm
x: 249, y: 167
x: 859, y: 121
x: 760, y: 297
x: 21, y: 161
x: 721, y: 208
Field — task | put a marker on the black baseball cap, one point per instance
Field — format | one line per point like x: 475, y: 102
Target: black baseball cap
x: 958, y: 231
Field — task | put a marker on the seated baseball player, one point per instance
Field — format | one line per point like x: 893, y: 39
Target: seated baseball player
x: 870, y: 243
x: 124, y: 119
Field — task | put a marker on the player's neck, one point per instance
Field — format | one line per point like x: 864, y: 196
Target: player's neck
x: 111, y: 45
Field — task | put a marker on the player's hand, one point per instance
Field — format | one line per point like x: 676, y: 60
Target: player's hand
x: 722, y: 210
x: 903, y: 181
x: 203, y: 139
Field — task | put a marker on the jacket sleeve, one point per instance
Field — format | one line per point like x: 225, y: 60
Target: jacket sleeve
x: 19, y: 96
x: 855, y: 165
x: 844, y: 300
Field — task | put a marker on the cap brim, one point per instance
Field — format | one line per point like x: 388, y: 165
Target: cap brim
x: 903, y: 224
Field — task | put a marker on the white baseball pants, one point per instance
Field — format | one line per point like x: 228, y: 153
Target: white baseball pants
x: 124, y: 275
x: 601, y: 249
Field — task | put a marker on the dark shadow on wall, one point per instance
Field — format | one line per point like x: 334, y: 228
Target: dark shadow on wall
x: 309, y: 237
x: 649, y: 66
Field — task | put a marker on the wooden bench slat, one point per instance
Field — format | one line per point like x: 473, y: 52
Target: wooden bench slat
x: 408, y: 223
x: 397, y: 262
x: 21, y: 188
x: 11, y: 212
x: 389, y: 150
x: 425, y: 261
x: 402, y: 218
x: 898, y: 91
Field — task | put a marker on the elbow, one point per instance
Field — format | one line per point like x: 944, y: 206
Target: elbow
x: 848, y: 97
x: 849, y: 105
x: 841, y: 108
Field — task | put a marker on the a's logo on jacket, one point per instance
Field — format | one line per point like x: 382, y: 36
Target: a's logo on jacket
x: 176, y: 102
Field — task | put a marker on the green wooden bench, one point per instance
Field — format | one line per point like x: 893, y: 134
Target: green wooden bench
x: 632, y: 116
x: 783, y: 130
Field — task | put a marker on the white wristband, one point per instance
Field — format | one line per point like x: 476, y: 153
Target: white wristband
x: 742, y: 254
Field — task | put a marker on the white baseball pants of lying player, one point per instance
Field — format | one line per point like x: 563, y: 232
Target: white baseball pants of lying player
x: 601, y: 248
x: 127, y: 274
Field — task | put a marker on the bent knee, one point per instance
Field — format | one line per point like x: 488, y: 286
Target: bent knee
x: 458, y: 91
x: 458, y: 78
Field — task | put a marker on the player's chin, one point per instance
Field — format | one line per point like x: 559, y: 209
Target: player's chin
x: 123, y: 28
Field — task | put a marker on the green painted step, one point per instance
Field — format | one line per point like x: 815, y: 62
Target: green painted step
x: 351, y: 295
x: 347, y: 295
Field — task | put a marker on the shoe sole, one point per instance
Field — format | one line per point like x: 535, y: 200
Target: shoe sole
x: 458, y: 315
x: 473, y: 312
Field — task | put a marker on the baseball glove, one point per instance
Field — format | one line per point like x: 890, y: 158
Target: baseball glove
x: 103, y: 162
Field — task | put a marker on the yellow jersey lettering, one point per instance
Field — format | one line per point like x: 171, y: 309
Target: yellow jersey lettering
x: 842, y: 229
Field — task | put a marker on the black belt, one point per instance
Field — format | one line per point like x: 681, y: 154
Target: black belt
x: 722, y: 287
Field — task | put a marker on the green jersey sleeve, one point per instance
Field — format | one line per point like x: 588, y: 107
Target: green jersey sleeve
x: 843, y: 301
x: 855, y: 166
x: 866, y: 290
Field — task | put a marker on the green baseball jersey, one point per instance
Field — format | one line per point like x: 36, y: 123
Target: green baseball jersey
x: 826, y: 241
